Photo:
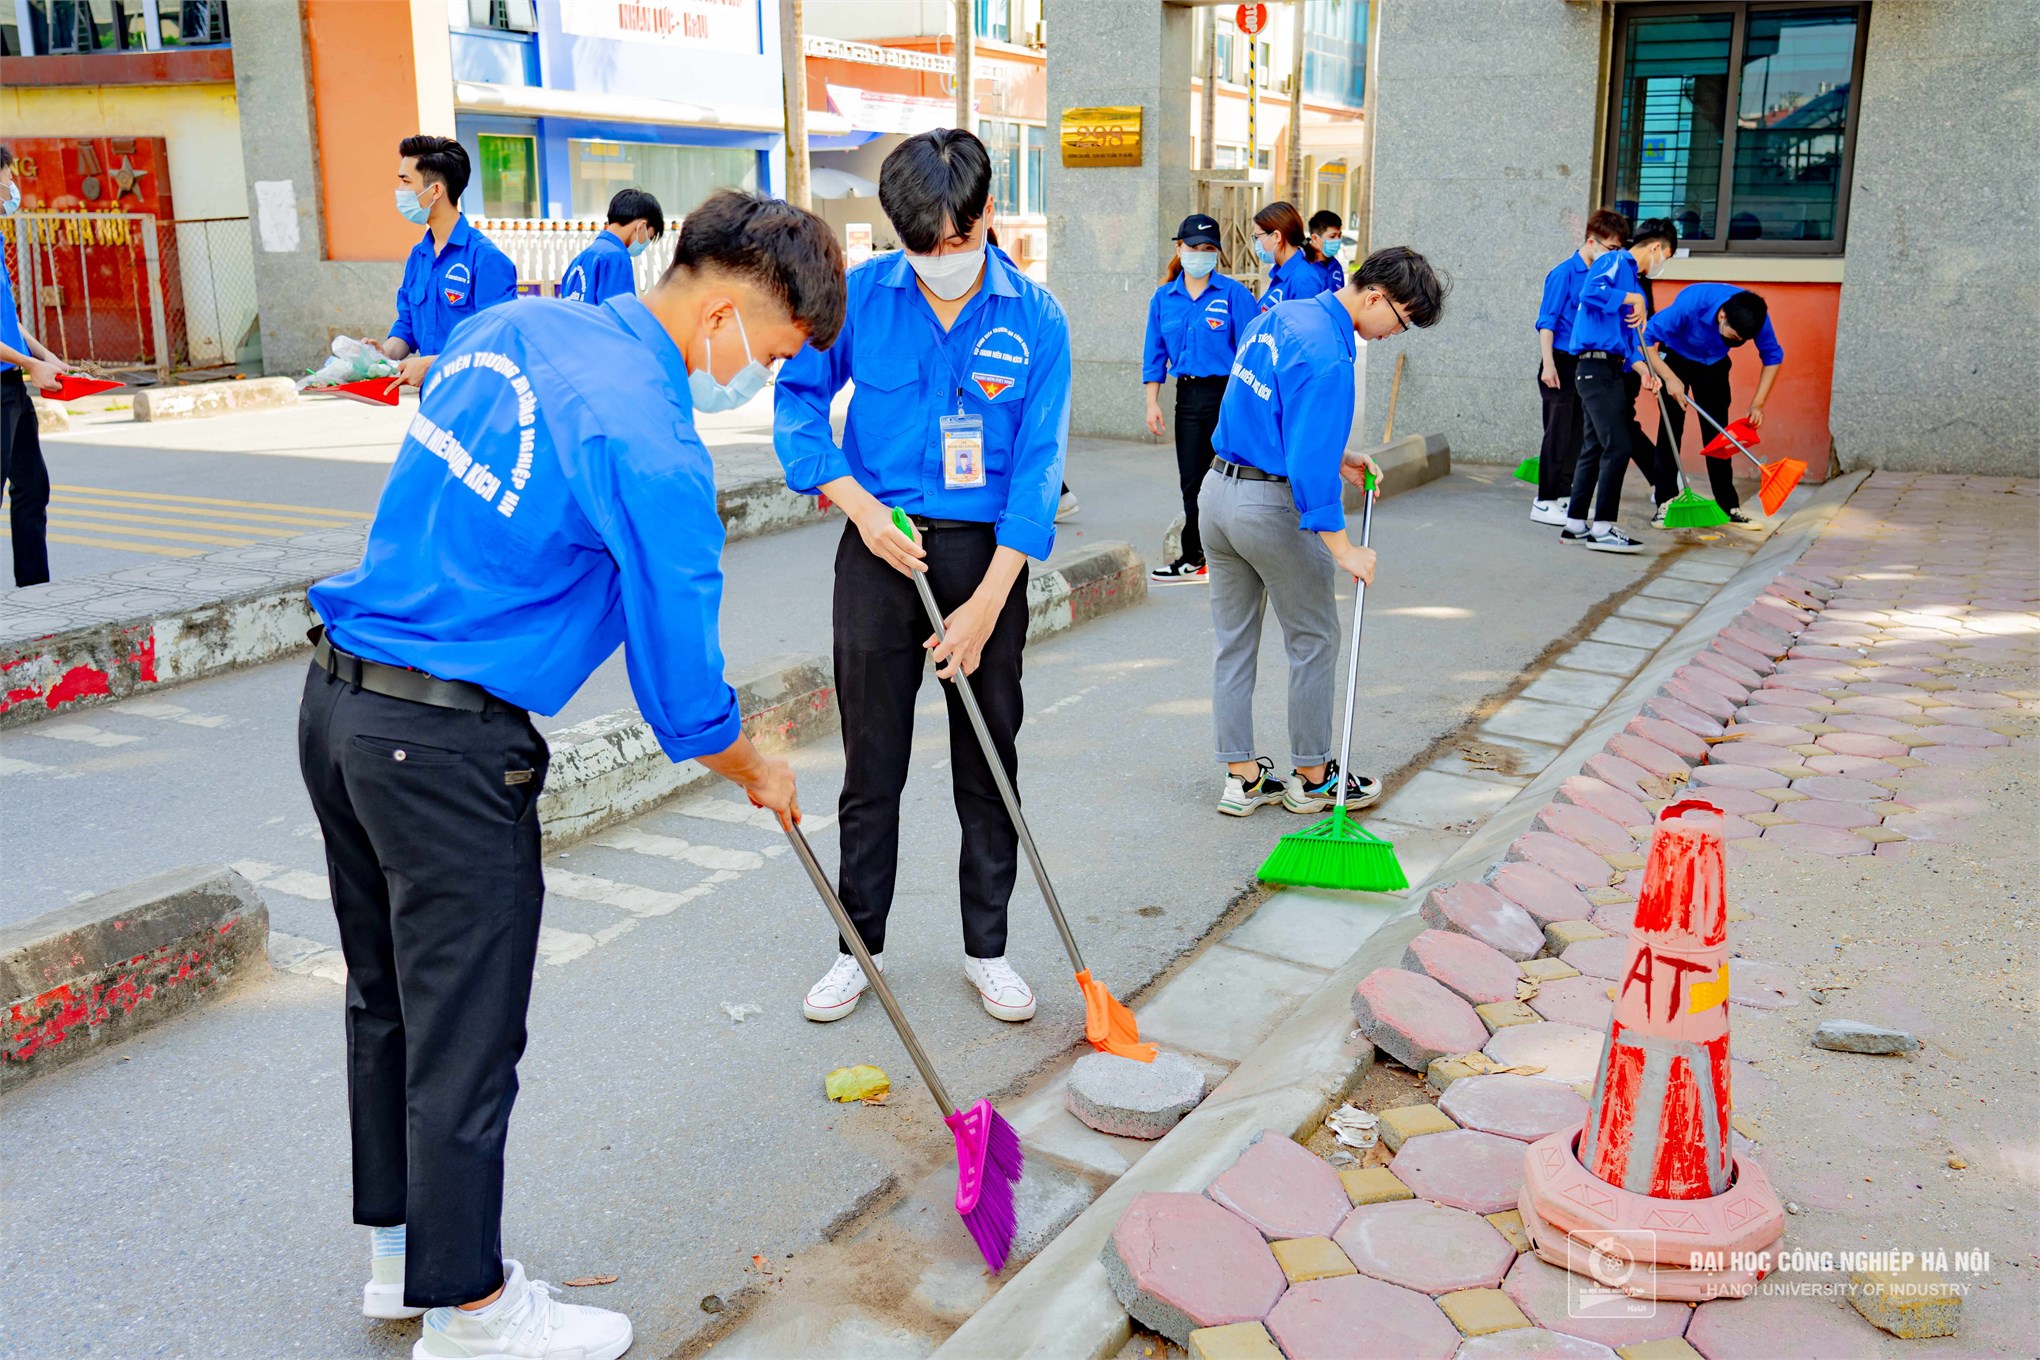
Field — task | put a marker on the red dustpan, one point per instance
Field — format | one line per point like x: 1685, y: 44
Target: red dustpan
x: 1738, y: 434
x: 374, y: 391
x: 76, y: 385
x: 1775, y: 480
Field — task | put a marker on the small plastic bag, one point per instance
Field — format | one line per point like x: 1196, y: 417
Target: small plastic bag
x: 352, y: 360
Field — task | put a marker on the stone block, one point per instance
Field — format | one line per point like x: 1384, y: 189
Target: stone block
x: 1560, y: 936
x: 1479, y: 911
x: 1426, y: 1247
x: 1603, y: 958
x: 1567, y: 1053
x: 1133, y: 1099
x: 197, y: 400
x: 1532, y: 1343
x: 1681, y: 714
x: 1538, y: 891
x: 1522, y: 1108
x: 1501, y: 1014
x: 1842, y: 789
x: 1625, y: 863
x: 1824, y: 840
x: 1626, y: 775
x: 1310, y: 1258
x: 1372, y: 1185
x: 1464, y: 1169
x: 1239, y: 1341
x: 1442, y: 1072
x: 1279, y: 1188
x: 1584, y: 827
x: 1853, y: 1036
x: 1509, y: 1223
x: 1477, y: 972
x: 1548, y: 969
x: 1179, y: 1262
x: 1664, y: 1348
x: 1405, y: 1122
x: 1547, y: 1295
x: 1651, y: 756
x: 1575, y: 864
x: 1324, y: 1317
x: 1826, y: 812
x: 1684, y: 744
x: 1479, y: 1312
x: 1581, y: 1000
x: 1604, y: 798
x: 1413, y: 1018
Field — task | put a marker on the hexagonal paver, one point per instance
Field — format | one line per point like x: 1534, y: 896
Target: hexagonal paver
x: 1425, y: 1247
x: 1414, y: 1018
x: 1680, y: 713
x: 1567, y: 1053
x: 1583, y: 1000
x: 1548, y: 1298
x: 1728, y: 774
x: 1860, y: 744
x: 1674, y: 738
x: 1826, y: 840
x: 1466, y: 1169
x: 1539, y: 891
x: 1944, y: 734
x: 1827, y: 812
x: 1477, y: 910
x: 1477, y: 972
x: 1774, y: 758
x: 1749, y: 1329
x: 1607, y: 958
x: 1604, y: 798
x: 1708, y: 678
x: 1323, y: 1320
x: 1626, y: 775
x: 1522, y: 1108
x: 1735, y: 801
x: 1871, y: 723
x: 1575, y: 864
x: 1764, y: 986
x: 1583, y: 826
x: 1134, y: 1099
x: 1533, y: 1343
x: 1178, y: 1262
x: 1952, y: 757
x: 1854, y: 767
x: 1281, y: 1189
x: 1722, y: 665
x: 1649, y: 754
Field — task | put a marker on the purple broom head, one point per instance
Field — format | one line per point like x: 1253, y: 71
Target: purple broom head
x: 988, y: 1162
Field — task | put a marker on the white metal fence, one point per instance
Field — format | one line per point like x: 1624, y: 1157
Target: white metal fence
x: 542, y: 250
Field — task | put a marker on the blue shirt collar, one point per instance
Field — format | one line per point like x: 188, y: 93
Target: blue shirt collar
x: 639, y: 321
x: 455, y: 239
x: 609, y: 240
x: 1342, y: 321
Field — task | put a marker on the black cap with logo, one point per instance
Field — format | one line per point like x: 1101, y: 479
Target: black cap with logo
x: 1198, y: 230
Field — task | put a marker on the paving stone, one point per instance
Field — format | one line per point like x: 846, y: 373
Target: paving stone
x: 1859, y: 744
x: 1918, y: 826
x: 1853, y: 1036
x: 1310, y: 1258
x: 1719, y: 774
x: 1589, y: 689
x: 1481, y: 1312
x: 1734, y: 670
x: 1238, y: 1341
x: 1705, y: 677
x: 1373, y: 1185
x: 1479, y: 911
x: 1913, y: 1304
x: 1582, y: 1001
x: 1703, y: 699
x: 1426, y: 1247
x: 1626, y: 775
x: 1563, y: 935
x: 1537, y: 721
x: 1533, y: 1343
x: 1823, y: 812
x: 1522, y: 1108
x: 1548, y: 970
x: 1544, y: 895
x: 1544, y: 1293
x: 1574, y: 863
x: 1855, y: 767
x: 1605, y: 958
x: 1567, y: 1053
x: 1975, y: 737
x: 1751, y: 1328
x: 1824, y: 840
x: 1616, y: 916
x: 1782, y: 763
x: 1225, y: 1003
x: 1683, y: 715
x: 1625, y: 862
x: 1728, y: 798
x: 1584, y: 827
x: 1278, y: 1187
x: 1478, y: 972
x: 1414, y: 1018
x: 1604, y: 798
x: 1178, y: 1262
x: 1650, y: 755
x: 1464, y: 1169
x: 1840, y: 789
x: 1501, y: 1014
x: 1509, y: 1223
x: 1762, y: 986
x: 1782, y: 795
x: 1953, y: 757
x: 1405, y: 1122
x: 1132, y: 1099
x: 1665, y: 1348
x: 1686, y: 745
x: 1442, y: 1072
x: 1748, y: 658
x: 1323, y: 1319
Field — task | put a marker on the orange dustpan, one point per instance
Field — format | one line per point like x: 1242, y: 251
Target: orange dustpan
x: 1775, y: 480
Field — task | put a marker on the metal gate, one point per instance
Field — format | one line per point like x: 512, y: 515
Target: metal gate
x: 90, y: 286
x: 1233, y: 199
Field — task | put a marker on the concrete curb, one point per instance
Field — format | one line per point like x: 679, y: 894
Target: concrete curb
x: 1406, y: 464
x: 97, y: 971
x: 1079, y: 587
x: 214, y: 399
x: 1060, y: 1306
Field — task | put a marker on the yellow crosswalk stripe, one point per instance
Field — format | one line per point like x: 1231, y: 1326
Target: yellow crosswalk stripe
x: 175, y: 536
x: 121, y: 502
x: 81, y: 541
x: 76, y: 512
x: 321, y: 510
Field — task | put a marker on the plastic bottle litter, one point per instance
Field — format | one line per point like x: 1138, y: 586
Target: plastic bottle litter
x: 1353, y: 1126
x: 351, y: 361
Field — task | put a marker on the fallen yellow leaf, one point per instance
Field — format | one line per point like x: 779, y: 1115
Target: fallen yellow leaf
x: 856, y: 1083
x: 582, y: 1281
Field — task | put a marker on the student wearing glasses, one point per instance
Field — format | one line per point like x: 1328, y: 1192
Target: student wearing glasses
x: 1296, y: 266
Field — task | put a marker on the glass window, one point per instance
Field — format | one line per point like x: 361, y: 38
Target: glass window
x: 678, y: 176
x: 1267, y: 60
x: 509, y: 175
x: 1335, y: 50
x: 193, y: 23
x: 512, y: 16
x: 1037, y: 182
x: 1736, y: 121
x: 1002, y: 143
x: 994, y: 19
x: 67, y: 26
x: 1225, y: 55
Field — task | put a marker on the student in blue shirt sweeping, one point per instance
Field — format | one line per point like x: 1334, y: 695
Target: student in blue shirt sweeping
x: 454, y: 271
x: 551, y: 501
x: 1559, y: 455
x: 1195, y: 321
x: 1296, y: 264
x: 1690, y: 342
x: 960, y: 417
x: 1274, y: 521
x: 605, y: 268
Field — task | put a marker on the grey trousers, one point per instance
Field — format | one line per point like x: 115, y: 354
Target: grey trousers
x: 1258, y: 552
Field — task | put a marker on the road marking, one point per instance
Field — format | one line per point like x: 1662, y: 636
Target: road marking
x: 10, y: 766
x: 710, y: 808
x: 164, y: 711
x: 321, y: 510
x: 562, y: 946
x: 88, y: 517
x: 218, y: 540
x: 641, y: 902
x: 81, y: 541
x: 1066, y: 701
x: 82, y: 733
x: 120, y: 501
x: 687, y: 852
x: 309, y: 958
x: 294, y: 882
x: 127, y: 521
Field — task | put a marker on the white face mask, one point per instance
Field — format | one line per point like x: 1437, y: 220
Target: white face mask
x: 949, y: 277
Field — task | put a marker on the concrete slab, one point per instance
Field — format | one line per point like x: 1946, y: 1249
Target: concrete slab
x: 1533, y: 1343
x: 1133, y: 1099
x: 1311, y: 927
x: 1606, y: 658
x: 1655, y: 610
x: 1584, y: 688
x: 1435, y: 800
x: 1631, y: 633
x: 1225, y: 1002
x: 1538, y: 721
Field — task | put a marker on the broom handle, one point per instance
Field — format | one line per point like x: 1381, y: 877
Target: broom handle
x: 1353, y: 655
x: 1665, y: 415
x: 877, y: 979
x: 1006, y: 793
x: 1717, y: 425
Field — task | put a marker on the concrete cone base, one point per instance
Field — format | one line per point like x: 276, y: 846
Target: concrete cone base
x: 1638, y: 1279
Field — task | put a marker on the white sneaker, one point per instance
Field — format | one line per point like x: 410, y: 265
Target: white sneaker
x: 383, y: 1295
x: 1066, y: 507
x: 1005, y: 995
x: 1612, y: 540
x: 526, y: 1323
x: 1548, y: 512
x: 835, y: 996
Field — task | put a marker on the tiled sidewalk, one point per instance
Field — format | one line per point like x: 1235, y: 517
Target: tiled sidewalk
x: 1903, y: 647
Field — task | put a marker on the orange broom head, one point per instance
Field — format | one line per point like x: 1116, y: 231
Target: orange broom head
x: 1777, y: 482
x: 1108, y: 1025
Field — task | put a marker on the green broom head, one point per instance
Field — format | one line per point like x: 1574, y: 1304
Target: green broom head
x: 1527, y: 470
x: 1336, y: 853
x: 1690, y: 510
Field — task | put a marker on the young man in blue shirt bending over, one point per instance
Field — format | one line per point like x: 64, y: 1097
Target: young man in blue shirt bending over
x: 1690, y: 343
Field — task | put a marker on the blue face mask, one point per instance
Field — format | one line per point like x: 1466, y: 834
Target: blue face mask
x: 1267, y: 255
x: 637, y: 248
x: 12, y: 204
x: 1199, y: 263
x: 414, y: 212
x: 1332, y: 247
x: 710, y: 395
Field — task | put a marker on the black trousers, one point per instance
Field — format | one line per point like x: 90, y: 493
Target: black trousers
x: 1708, y: 384
x: 27, y: 479
x: 1608, y: 416
x: 1662, y: 474
x: 1559, y: 455
x: 880, y: 626
x: 432, y: 846
x: 1197, y: 401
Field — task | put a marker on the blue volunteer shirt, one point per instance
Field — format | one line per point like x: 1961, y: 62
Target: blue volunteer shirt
x: 1561, y: 300
x: 1196, y: 337
x: 1289, y: 406
x: 1292, y: 281
x: 1599, y: 322
x: 1335, y: 274
x: 551, y: 500
x: 439, y: 292
x: 1690, y: 328
x: 600, y: 272
x: 1006, y: 361
x: 10, y: 323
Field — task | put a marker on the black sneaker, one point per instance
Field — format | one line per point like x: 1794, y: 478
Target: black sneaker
x: 1740, y: 520
x: 1612, y: 540
x: 1301, y: 796
x: 1240, y: 797
x: 1181, y: 572
x: 1573, y: 536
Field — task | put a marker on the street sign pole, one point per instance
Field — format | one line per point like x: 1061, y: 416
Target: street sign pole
x: 1250, y: 20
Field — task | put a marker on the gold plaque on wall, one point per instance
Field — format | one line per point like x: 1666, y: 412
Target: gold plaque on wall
x: 1101, y: 137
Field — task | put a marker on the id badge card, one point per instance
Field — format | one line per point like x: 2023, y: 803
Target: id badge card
x: 963, y: 452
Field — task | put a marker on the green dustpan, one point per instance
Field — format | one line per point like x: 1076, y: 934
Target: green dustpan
x: 1528, y: 469
x: 1688, y: 509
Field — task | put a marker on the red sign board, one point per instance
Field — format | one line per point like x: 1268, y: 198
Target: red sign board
x: 1250, y: 19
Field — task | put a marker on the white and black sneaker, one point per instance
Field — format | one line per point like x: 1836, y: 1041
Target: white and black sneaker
x: 1574, y: 535
x: 1300, y: 795
x: 1241, y: 797
x: 1612, y: 540
x: 1742, y: 521
x: 1181, y: 572
x: 1066, y: 507
x: 1657, y: 515
x: 1548, y: 512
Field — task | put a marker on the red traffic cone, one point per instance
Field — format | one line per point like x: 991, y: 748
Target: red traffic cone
x: 1652, y: 1176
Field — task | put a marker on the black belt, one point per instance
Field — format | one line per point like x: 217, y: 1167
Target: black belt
x: 926, y: 525
x: 1598, y: 354
x: 1242, y: 472
x: 1182, y: 380
x: 400, y: 682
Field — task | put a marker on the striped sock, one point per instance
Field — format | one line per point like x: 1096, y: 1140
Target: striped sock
x: 386, y: 1241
